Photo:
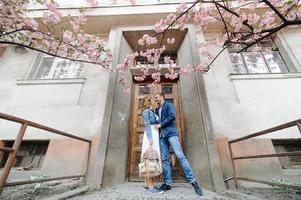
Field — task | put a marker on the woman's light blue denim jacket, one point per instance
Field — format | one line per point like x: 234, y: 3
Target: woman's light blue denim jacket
x: 149, y: 118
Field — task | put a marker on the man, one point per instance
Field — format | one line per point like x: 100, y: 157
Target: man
x: 169, y: 136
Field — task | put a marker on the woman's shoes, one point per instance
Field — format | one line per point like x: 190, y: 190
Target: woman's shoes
x: 155, y: 191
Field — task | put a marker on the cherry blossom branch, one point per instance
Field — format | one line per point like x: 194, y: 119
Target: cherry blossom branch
x: 53, y: 38
x: 271, y: 32
x: 47, y: 53
x: 235, y: 14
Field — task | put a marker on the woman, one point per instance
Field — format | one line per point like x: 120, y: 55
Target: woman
x: 150, y: 138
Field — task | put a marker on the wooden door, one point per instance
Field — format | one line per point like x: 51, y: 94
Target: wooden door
x: 170, y: 90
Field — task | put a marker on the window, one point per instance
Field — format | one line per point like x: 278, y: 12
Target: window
x: 263, y: 61
x: 145, y: 63
x: 288, y: 145
x: 31, y: 154
x: 48, y: 67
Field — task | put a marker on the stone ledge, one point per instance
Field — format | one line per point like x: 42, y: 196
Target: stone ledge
x: 51, y: 81
x: 264, y: 76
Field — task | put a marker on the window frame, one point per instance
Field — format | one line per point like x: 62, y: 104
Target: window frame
x: 273, y: 47
x: 37, y: 66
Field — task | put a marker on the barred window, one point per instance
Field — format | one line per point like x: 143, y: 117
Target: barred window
x: 31, y: 154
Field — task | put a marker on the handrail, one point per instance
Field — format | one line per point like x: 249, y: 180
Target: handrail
x: 276, y: 128
x: 40, y: 126
x: 13, y: 151
x: 296, y: 153
x: 267, y: 131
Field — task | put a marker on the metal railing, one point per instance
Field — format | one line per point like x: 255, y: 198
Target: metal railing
x: 267, y: 131
x: 17, y: 143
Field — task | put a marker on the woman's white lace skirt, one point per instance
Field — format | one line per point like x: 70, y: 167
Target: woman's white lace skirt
x: 156, y: 145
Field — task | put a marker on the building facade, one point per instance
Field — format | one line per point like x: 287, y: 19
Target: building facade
x: 241, y: 94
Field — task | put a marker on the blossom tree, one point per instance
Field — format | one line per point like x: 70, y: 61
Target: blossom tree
x: 63, y: 36
x: 243, y: 26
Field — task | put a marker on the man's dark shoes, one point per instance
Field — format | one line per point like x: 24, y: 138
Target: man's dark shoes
x: 197, y: 189
x: 164, y: 187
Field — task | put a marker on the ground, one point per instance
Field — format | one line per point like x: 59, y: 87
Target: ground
x: 37, y: 192
x: 134, y: 191
x: 273, y: 193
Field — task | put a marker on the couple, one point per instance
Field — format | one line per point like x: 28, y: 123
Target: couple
x: 160, y: 133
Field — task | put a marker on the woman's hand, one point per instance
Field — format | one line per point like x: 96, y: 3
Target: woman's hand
x: 151, y: 142
x: 157, y: 126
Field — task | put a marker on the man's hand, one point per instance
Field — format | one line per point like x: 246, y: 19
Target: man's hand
x: 151, y: 142
x: 157, y: 126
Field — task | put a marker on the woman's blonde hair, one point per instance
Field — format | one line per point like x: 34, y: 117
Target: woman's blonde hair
x: 146, y: 102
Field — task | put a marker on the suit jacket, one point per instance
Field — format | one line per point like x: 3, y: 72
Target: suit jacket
x: 167, y: 120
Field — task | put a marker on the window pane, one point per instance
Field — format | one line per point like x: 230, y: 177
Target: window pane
x: 144, y: 89
x: 144, y: 62
x: 44, y: 68
x: 275, y: 62
x: 255, y: 62
x: 67, y: 69
x: 236, y: 58
x: 239, y: 68
x: 166, y: 89
x: 237, y: 63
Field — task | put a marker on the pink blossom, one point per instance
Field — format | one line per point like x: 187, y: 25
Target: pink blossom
x: 46, y: 43
x: 207, y: 54
x: 201, y: 67
x: 151, y: 40
x: 67, y: 36
x: 37, y: 35
x: 170, y: 41
x: 181, y: 8
x: 31, y: 23
x: 75, y: 26
x: 133, y: 2
x: 156, y: 77
x: 171, y: 18
x: 141, y: 42
x: 82, y: 17
x: 139, y: 78
x: 93, y: 3
x: 253, y: 19
x: 100, y: 42
x: 160, y: 26
x: 52, y: 7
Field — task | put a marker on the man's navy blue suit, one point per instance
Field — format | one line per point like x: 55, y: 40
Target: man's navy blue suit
x: 169, y: 137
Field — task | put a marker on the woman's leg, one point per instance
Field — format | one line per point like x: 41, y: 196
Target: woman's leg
x: 150, y: 182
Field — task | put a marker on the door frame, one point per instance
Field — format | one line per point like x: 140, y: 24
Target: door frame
x: 133, y: 118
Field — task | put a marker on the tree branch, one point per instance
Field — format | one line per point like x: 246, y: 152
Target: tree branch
x: 275, y: 10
